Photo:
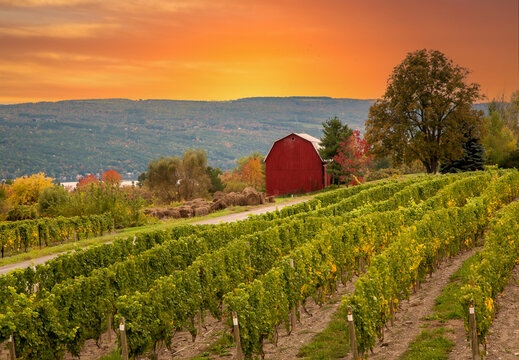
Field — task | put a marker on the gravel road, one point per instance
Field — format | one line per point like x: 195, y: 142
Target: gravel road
x: 226, y: 218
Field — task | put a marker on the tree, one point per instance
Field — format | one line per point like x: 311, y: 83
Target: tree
x: 253, y: 173
x: 499, y: 140
x: 353, y: 158
x: 141, y: 179
x: 334, y: 132
x: 173, y: 179
x: 26, y: 190
x: 473, y: 158
x: 512, y: 161
x: 87, y: 180
x: 163, y: 178
x: 194, y: 181
x: 425, y: 112
x: 250, y: 172
x: 53, y: 201
x: 112, y: 177
x: 214, y: 176
x: 512, y: 112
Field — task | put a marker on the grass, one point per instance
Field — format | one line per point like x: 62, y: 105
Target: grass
x: 114, y: 355
x: 220, y: 347
x: 331, y: 343
x: 429, y: 345
x: 432, y: 344
x: 447, y: 305
x: 164, y: 224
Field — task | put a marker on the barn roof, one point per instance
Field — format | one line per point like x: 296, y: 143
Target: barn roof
x: 315, y: 142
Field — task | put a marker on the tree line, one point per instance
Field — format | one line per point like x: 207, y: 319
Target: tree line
x: 426, y: 121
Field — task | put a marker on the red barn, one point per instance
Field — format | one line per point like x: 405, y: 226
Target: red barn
x: 293, y: 165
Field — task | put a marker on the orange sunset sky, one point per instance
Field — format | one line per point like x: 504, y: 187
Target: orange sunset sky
x: 219, y: 50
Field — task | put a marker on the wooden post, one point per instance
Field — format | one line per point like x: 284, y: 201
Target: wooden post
x: 353, y: 339
x: 239, y: 353
x: 392, y: 312
x: 293, y: 315
x: 12, y: 353
x: 109, y: 328
x: 473, y: 333
x: 124, y: 342
x: 199, y: 322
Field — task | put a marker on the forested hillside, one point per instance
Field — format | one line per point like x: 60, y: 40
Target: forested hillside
x: 88, y: 136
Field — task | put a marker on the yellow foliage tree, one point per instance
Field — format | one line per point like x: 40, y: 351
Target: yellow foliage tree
x: 26, y: 190
x: 252, y: 173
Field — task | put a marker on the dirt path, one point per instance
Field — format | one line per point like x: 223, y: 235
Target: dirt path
x: 288, y: 345
x: 408, y: 323
x: 226, y: 218
x: 503, y: 341
x: 244, y: 215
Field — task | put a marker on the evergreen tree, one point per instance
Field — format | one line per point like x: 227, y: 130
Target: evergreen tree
x: 334, y: 132
x: 473, y: 158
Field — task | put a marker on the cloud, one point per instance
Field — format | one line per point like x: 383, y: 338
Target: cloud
x: 60, y: 31
x: 115, y: 5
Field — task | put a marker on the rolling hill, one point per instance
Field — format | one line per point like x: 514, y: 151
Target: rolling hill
x: 72, y: 137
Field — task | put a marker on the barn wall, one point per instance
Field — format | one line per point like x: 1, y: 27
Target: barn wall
x: 293, y: 166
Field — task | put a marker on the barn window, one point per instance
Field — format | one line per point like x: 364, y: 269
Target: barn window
x: 293, y: 138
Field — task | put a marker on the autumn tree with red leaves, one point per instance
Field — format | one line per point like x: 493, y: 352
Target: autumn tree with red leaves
x: 87, y: 180
x: 353, y: 157
x: 112, y: 177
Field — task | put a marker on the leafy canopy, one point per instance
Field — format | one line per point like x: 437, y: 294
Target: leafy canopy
x: 499, y: 140
x: 334, y: 132
x: 353, y: 158
x: 426, y: 111
x: 173, y: 178
x: 26, y: 190
x: 249, y: 172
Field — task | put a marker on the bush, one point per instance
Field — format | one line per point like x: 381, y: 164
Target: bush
x: 22, y: 212
x: 53, y: 201
x: 383, y: 174
x: 235, y: 186
x: 512, y: 160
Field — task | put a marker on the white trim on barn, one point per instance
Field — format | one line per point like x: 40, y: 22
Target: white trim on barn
x: 314, y: 141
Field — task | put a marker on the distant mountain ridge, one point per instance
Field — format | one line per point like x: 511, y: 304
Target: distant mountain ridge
x: 76, y: 137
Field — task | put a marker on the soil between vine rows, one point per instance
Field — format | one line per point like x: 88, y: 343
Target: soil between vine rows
x: 503, y: 341
x: 408, y: 322
x: 396, y: 338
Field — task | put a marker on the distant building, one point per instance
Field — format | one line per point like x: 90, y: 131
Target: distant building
x: 293, y: 165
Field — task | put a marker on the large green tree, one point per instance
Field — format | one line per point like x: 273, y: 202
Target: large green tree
x: 334, y: 132
x: 425, y: 112
x: 499, y: 140
x: 173, y: 178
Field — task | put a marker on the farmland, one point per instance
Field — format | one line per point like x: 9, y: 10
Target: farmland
x: 381, y: 241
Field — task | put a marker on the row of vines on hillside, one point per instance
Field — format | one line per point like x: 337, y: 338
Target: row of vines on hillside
x: 76, y: 309
x: 204, y: 284
x: 21, y: 235
x: 315, y: 268
x: 392, y: 274
x: 496, y: 262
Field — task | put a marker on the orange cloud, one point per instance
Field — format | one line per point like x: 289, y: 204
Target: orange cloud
x: 201, y: 49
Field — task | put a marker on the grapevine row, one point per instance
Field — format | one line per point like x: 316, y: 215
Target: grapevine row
x: 215, y: 275
x: 15, y: 236
x: 314, y: 269
x: 85, y: 302
x: 496, y: 262
x: 395, y: 271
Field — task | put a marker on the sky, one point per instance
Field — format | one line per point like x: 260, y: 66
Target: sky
x: 227, y: 49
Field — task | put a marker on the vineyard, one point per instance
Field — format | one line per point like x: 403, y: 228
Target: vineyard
x: 257, y: 275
